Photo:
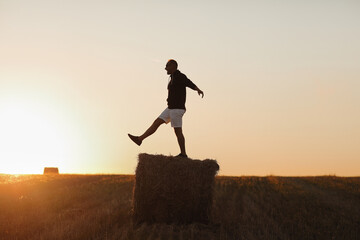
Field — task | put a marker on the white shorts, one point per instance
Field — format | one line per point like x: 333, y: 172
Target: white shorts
x: 174, y: 116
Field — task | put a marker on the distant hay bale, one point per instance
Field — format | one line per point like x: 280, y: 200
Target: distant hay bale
x: 173, y: 189
x: 51, y: 170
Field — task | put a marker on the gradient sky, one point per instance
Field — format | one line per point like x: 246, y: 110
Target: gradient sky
x: 281, y: 82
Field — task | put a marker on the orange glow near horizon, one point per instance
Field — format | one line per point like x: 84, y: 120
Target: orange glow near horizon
x: 30, y: 139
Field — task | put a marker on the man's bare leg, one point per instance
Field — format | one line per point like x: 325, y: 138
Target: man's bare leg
x: 138, y: 140
x: 152, y: 128
x: 181, y: 140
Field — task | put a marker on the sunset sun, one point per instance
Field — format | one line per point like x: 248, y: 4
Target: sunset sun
x: 31, y: 139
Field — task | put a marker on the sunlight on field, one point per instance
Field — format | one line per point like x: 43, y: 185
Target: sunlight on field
x: 18, y: 178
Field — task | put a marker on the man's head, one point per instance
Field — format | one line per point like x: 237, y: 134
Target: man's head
x: 171, y: 66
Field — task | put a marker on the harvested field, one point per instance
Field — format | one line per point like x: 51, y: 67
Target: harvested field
x: 99, y: 207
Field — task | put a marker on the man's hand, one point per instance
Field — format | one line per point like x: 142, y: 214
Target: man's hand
x: 201, y: 93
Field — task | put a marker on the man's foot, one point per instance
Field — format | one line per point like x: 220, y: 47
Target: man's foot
x: 182, y: 155
x: 135, y: 139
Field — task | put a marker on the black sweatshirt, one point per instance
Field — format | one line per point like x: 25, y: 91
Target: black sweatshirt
x: 177, y: 90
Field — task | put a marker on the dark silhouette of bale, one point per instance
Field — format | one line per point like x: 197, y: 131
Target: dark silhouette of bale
x: 51, y: 170
x: 173, y: 189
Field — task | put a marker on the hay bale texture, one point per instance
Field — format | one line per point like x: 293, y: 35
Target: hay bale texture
x: 51, y: 170
x: 173, y: 189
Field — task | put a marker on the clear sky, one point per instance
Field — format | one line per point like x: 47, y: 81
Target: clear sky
x: 281, y: 82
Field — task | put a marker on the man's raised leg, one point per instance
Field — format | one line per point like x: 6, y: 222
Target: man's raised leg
x: 152, y: 128
x: 138, y: 140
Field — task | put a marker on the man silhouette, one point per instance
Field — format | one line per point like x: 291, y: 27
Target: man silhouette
x: 176, y: 106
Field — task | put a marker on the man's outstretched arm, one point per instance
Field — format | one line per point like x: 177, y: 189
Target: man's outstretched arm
x: 191, y: 85
x: 201, y: 93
